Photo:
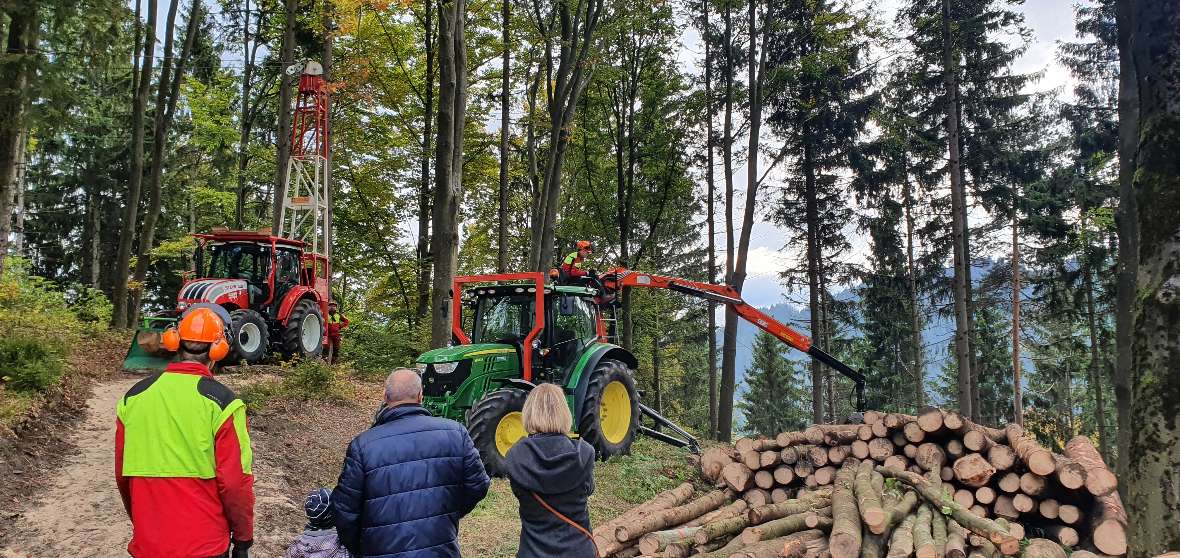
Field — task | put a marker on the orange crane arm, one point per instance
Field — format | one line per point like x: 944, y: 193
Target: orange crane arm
x: 617, y: 278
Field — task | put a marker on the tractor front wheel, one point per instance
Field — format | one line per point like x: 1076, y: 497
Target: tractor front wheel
x: 496, y: 424
x: 304, y: 334
x: 251, y: 338
x: 610, y: 410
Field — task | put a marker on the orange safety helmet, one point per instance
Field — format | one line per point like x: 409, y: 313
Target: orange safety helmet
x: 200, y: 325
x: 584, y: 245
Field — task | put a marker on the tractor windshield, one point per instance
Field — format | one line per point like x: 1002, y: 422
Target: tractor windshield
x: 242, y: 260
x: 503, y: 318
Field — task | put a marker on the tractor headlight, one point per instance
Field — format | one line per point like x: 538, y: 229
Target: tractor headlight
x: 445, y: 367
x: 422, y: 368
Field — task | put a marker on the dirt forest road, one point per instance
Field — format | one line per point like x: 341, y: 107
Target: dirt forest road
x: 79, y: 512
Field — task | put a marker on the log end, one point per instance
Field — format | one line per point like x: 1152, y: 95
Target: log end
x: 649, y: 544
x: 1101, y: 482
x: 1110, y: 537
x: 1042, y: 463
x: 844, y: 545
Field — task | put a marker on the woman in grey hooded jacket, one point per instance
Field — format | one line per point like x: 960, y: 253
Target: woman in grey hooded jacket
x: 552, y: 475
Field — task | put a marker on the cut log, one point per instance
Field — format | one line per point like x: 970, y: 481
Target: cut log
x: 752, y: 459
x: 657, y: 541
x: 1048, y: 508
x: 1043, y: 548
x: 896, y: 462
x: 1016, y: 529
x: 978, y: 510
x: 1003, y: 507
x: 930, y: 419
x: 604, y: 535
x: 785, y: 526
x: 1067, y: 536
x: 1108, y: 524
x: 818, y: 456
x: 735, y: 508
x: 1099, y: 480
x: 864, y: 432
x: 930, y: 456
x: 673, y: 516
x: 964, y: 497
x: 803, y: 468
x: 904, y: 507
x: 880, y: 430
x: 985, y: 495
x: 1002, y: 457
x: 872, y: 417
x: 770, y: 512
x: 737, y: 476
x: 780, y: 494
x: 873, y: 546
x: 629, y: 552
x: 789, y: 455
x: 1023, y: 502
x: 976, y: 441
x: 784, y: 474
x: 868, y: 501
x: 954, y: 448
x: 954, y: 422
x: 910, y: 451
x: 837, y: 454
x: 1033, y: 484
x: 914, y: 433
x: 956, y: 540
x: 743, y: 445
x: 768, y: 458
x: 946, y: 473
x: 756, y: 497
x: 901, y: 543
x: 898, y: 438
x: 713, y: 460
x: 1071, y: 515
x: 896, y: 420
x: 787, y: 439
x: 880, y: 448
x: 923, y: 537
x: 764, y: 479
x: 1009, y: 483
x: 938, y: 529
x: 973, y: 470
x: 824, y: 475
x: 1038, y: 459
x: 859, y: 449
x: 1069, y: 473
x: 841, y: 434
x: 717, y: 529
x: 844, y: 541
x: 983, y: 526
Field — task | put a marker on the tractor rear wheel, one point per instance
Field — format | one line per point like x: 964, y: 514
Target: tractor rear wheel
x: 250, y: 337
x: 610, y: 410
x: 303, y: 335
x: 496, y: 424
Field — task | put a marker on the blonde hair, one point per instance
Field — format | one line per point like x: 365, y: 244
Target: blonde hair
x: 546, y: 412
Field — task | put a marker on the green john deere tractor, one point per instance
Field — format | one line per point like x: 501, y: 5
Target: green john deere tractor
x: 514, y: 331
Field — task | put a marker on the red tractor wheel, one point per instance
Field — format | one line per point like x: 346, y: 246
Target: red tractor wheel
x: 304, y: 334
x: 250, y: 337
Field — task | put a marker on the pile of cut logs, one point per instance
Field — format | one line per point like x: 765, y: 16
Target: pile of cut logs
x: 933, y: 485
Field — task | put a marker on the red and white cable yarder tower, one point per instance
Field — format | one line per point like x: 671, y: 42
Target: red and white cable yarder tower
x: 305, y: 208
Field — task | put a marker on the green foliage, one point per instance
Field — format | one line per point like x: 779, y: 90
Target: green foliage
x: 30, y: 364
x: 374, y: 350
x: 775, y: 399
x: 302, y: 380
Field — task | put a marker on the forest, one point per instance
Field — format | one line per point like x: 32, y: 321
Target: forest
x: 912, y: 176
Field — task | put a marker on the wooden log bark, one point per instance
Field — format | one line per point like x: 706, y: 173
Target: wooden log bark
x: 923, y: 534
x: 1009, y: 483
x: 973, y: 470
x: 841, y: 434
x: 604, y: 535
x: 673, y: 516
x: 904, y: 507
x: 737, y: 476
x: 1108, y: 524
x: 1069, y: 473
x: 983, y: 526
x: 938, y: 529
x: 717, y: 529
x: 1043, y: 548
x: 1099, y: 480
x: 787, y: 439
x: 785, y: 526
x: 1038, y: 459
x: 868, y: 501
x: 845, y: 538
x: 956, y: 540
x: 733, y: 509
x: 657, y: 541
x: 713, y: 460
x: 901, y: 543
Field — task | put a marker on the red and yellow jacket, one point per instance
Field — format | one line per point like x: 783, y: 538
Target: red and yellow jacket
x: 183, y: 465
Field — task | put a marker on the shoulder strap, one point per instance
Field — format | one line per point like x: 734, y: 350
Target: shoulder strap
x: 572, y: 523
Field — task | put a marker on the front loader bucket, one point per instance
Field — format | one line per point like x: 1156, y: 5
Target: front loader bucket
x: 145, y: 352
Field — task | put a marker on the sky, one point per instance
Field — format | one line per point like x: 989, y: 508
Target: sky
x: 1049, y: 21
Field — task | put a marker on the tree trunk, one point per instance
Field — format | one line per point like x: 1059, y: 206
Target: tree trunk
x: 425, y: 194
x: 1017, y: 397
x: 1154, y: 472
x: 919, y: 367
x: 959, y: 227
x: 655, y: 372
x: 286, y: 85
x: 1096, y: 367
x: 1127, y: 219
x: 246, y: 122
x: 131, y: 203
x: 710, y: 196
x: 813, y: 286
x: 15, y: 76
x: 729, y: 337
x: 168, y: 91
x: 448, y: 169
x: 326, y: 61
x: 18, y: 214
x: 505, y: 96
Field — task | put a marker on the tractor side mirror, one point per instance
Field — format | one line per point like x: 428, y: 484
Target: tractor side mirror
x: 566, y: 306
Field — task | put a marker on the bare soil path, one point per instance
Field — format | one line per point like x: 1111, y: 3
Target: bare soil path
x: 79, y: 513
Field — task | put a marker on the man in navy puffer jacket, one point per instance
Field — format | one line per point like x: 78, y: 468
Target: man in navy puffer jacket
x: 407, y: 480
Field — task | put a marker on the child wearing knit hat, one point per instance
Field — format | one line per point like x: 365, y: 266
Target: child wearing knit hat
x: 319, y: 539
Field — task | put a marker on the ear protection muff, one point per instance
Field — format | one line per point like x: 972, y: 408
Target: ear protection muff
x: 170, y: 339
x: 218, y: 350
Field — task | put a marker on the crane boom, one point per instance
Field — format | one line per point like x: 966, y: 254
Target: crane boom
x: 616, y: 279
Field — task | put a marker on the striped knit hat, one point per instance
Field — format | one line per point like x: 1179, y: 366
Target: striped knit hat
x: 318, y: 508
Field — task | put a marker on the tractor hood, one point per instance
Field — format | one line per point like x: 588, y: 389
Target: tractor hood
x: 463, y: 352
x: 215, y: 291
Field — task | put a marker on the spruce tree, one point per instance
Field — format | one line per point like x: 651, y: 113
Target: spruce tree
x: 775, y: 399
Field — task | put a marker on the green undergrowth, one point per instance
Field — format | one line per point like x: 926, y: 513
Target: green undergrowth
x: 42, y: 324
x: 493, y: 528
x: 301, y: 380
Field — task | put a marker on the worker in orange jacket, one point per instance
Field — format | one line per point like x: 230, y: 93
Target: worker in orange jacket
x: 183, y: 462
x: 336, y: 322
